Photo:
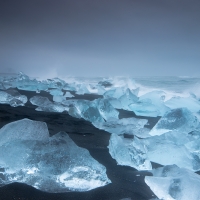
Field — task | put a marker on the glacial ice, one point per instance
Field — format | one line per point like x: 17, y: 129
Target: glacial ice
x: 127, y: 99
x: 51, y: 164
x: 180, y: 119
x: 55, y: 92
x: 129, y: 126
x: 68, y: 95
x: 24, y: 129
x: 87, y: 110
x: 190, y: 103
x: 106, y: 109
x: 44, y: 104
x: 150, y: 104
x: 174, y: 183
x: 12, y: 97
x: 129, y: 152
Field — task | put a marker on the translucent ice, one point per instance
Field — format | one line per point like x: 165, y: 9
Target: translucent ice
x: 68, y: 95
x: 190, y: 103
x: 55, y: 92
x: 87, y: 110
x: 12, y: 97
x: 53, y: 165
x: 106, y: 109
x: 150, y: 104
x: 174, y: 183
x: 180, y: 119
x: 127, y: 99
x: 24, y: 129
x: 129, y: 152
x: 129, y: 126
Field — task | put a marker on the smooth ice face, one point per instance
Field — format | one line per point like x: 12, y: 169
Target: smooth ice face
x: 174, y: 183
x: 129, y: 152
x: 150, y: 104
x: 86, y: 109
x: 127, y: 99
x: 129, y: 126
x: 68, y: 95
x: 53, y: 165
x: 12, y: 97
x: 180, y: 119
x: 55, y: 92
x: 106, y: 109
x: 190, y: 103
x: 24, y: 129
x: 44, y: 104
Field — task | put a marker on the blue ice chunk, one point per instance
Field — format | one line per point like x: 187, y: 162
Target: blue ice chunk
x: 106, y: 109
x: 68, y: 95
x: 24, y: 129
x: 190, y: 103
x: 12, y: 97
x: 82, y: 89
x: 129, y: 152
x: 44, y: 104
x: 87, y: 110
x: 59, y: 98
x: 129, y: 126
x: 56, y: 92
x: 53, y: 165
x: 171, y: 182
x: 150, y: 104
x: 180, y: 119
x: 127, y: 99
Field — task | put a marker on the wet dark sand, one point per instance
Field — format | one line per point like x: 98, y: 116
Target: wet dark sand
x: 126, y: 181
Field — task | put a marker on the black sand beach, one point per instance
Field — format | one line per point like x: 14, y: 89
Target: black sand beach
x: 126, y: 181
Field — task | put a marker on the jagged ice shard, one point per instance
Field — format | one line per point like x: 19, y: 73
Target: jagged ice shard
x: 129, y: 152
x: 174, y: 183
x: 180, y: 119
x: 51, y: 164
x: 129, y: 126
x: 12, y: 97
x: 44, y: 104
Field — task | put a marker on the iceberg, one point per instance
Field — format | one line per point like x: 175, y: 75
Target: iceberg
x: 129, y: 152
x: 24, y: 129
x: 127, y: 99
x: 190, y: 103
x: 12, y: 97
x: 180, y: 119
x: 129, y: 126
x: 106, y: 109
x: 150, y: 104
x: 44, y: 104
x: 51, y: 164
x: 174, y: 183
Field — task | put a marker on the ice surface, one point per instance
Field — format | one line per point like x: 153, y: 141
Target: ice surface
x: 174, y: 183
x: 129, y: 126
x: 44, y: 104
x: 86, y: 109
x: 59, y: 98
x: 12, y: 97
x: 24, y: 129
x: 150, y: 104
x: 190, y: 103
x: 180, y: 119
x: 127, y: 99
x: 129, y: 152
x: 56, y: 92
x: 68, y: 95
x: 54, y: 164
x: 106, y: 109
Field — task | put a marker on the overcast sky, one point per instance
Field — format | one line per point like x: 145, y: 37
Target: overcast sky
x: 100, y: 37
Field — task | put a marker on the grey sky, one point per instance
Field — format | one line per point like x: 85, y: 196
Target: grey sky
x: 100, y: 37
